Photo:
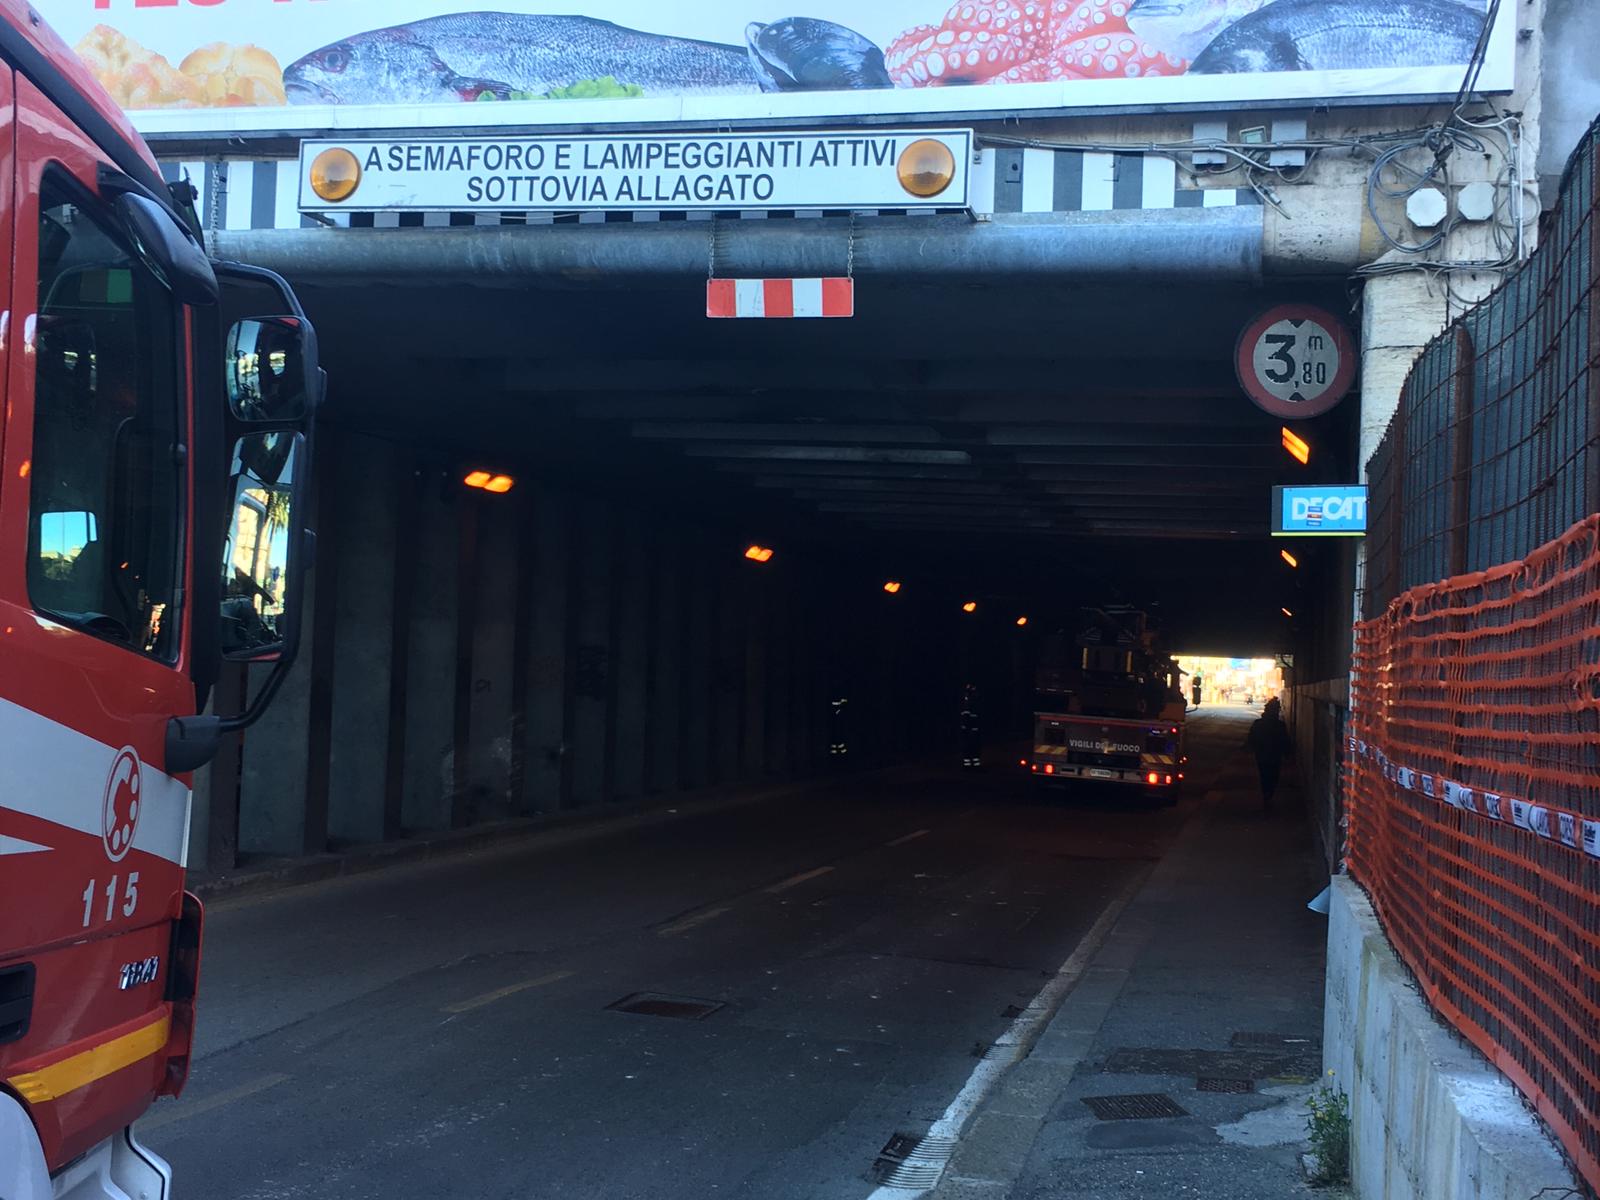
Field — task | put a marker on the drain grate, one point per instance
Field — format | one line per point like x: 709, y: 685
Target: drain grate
x: 909, y: 1161
x: 1143, y: 1106
x: 1216, y: 1083
x: 653, y: 1004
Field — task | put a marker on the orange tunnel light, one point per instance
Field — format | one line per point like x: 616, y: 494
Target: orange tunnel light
x: 477, y: 479
x: 892, y: 586
x: 971, y: 606
x: 1299, y: 449
x: 759, y: 554
x: 1289, y: 558
x: 500, y: 484
x: 1021, y: 621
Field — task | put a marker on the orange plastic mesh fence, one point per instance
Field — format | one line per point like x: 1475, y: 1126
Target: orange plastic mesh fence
x: 1474, y: 813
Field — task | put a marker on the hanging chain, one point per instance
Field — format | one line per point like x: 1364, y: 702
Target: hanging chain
x: 850, y: 251
x: 711, y: 249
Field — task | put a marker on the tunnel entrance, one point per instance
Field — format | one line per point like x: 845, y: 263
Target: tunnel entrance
x: 716, y: 550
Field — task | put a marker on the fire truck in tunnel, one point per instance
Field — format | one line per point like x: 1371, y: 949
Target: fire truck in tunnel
x: 133, y: 561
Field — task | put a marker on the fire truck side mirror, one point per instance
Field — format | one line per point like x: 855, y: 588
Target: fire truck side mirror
x: 271, y: 370
x: 176, y: 258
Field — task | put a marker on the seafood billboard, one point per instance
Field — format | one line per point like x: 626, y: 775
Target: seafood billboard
x: 222, y: 66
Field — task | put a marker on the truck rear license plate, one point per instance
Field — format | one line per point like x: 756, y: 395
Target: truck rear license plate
x: 1099, y: 773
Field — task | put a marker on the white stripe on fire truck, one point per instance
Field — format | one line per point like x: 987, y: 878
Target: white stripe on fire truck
x: 54, y: 773
x: 11, y: 845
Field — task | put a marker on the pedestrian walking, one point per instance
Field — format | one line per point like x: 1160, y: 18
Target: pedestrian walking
x: 971, y: 738
x: 1195, y: 689
x: 1269, y: 741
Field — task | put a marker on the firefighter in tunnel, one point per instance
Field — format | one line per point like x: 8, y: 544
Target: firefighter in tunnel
x: 971, y: 737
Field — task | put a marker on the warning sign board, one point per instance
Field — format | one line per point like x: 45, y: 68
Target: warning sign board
x: 660, y: 172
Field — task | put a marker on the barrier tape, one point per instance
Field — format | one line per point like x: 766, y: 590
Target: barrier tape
x: 1570, y: 829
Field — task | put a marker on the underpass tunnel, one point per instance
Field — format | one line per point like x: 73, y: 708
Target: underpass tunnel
x: 943, y: 480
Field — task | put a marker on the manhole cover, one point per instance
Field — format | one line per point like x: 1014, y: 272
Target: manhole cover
x: 652, y: 1004
x: 1213, y: 1083
x: 1143, y: 1106
x: 909, y: 1161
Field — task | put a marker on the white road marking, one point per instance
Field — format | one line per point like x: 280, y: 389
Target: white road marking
x: 180, y: 1112
x: 1013, y: 1045
x: 796, y: 880
x: 910, y: 837
x: 688, y: 923
x: 462, y: 1006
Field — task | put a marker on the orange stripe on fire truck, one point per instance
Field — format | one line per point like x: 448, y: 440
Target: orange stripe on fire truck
x: 83, y: 1067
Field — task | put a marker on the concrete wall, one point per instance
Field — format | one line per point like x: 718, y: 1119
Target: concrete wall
x: 1430, y: 1118
x: 1570, y: 85
x: 480, y: 658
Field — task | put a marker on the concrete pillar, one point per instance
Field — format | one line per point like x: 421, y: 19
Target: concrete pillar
x: 371, y: 472
x: 780, y: 674
x: 664, y: 726
x: 757, y: 647
x: 1400, y: 316
x: 493, y: 662
x: 431, y: 658
x: 700, y: 594
x: 728, y: 648
x: 594, y: 560
x: 631, y: 675
x: 198, y: 850
x: 272, y: 776
x: 545, y: 749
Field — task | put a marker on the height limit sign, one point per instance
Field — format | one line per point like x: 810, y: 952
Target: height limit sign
x: 1296, y: 361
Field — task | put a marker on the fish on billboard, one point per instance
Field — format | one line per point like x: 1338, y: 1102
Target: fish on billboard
x: 830, y: 58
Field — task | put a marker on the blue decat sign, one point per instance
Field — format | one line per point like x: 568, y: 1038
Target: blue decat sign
x: 1319, y: 510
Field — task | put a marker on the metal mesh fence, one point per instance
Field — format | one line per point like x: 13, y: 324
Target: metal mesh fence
x: 1493, y: 449
x: 1474, y: 739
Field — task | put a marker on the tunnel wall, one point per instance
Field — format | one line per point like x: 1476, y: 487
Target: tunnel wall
x: 1317, y: 691
x: 471, y: 659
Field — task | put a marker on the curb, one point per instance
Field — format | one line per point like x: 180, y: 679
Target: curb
x: 559, y: 829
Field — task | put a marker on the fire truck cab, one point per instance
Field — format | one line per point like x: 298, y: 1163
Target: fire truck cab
x: 154, y: 455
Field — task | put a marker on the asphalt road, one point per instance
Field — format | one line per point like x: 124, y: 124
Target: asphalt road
x: 444, y: 1031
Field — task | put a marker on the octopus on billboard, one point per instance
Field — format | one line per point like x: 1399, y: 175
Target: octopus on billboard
x: 833, y: 59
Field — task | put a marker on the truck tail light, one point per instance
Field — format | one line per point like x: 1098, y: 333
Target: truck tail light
x: 1152, y: 778
x: 1169, y: 778
x: 1049, y: 768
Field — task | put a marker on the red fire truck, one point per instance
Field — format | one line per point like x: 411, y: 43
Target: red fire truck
x: 154, y: 455
x: 1108, y: 709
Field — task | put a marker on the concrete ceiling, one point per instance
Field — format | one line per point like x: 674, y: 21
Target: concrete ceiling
x: 1028, y: 437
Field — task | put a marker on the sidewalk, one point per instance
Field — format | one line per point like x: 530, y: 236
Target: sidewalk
x: 1214, y: 972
